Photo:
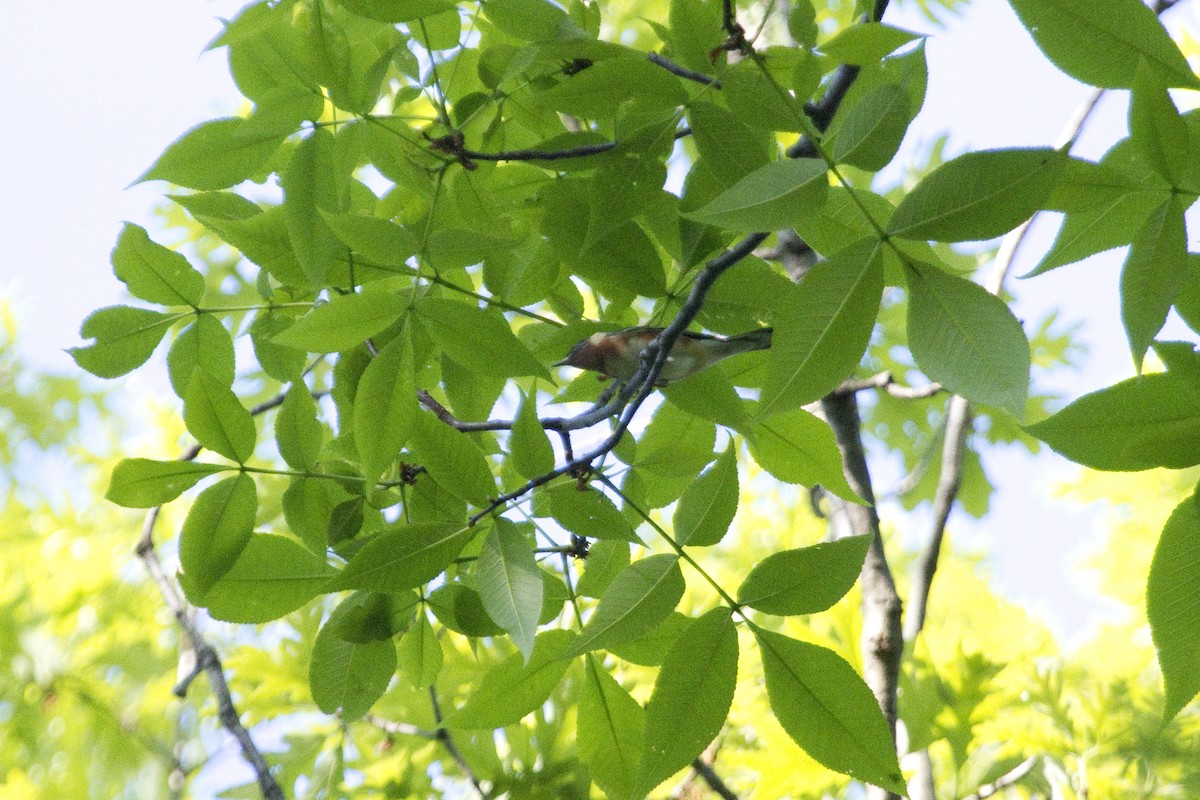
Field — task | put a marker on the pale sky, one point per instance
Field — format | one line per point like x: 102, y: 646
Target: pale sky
x: 94, y: 94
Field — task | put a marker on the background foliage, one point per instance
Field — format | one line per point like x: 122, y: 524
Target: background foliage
x: 426, y: 204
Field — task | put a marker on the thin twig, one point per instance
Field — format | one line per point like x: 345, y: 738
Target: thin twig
x: 632, y: 394
x: 207, y: 661
x: 884, y: 381
x: 958, y: 412
x: 1004, y: 781
x: 954, y: 446
x: 443, y: 736
x: 682, y: 71
x: 539, y: 155
x: 705, y: 771
x: 399, y: 728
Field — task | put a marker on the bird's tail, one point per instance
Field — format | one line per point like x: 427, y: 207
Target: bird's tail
x: 754, y: 340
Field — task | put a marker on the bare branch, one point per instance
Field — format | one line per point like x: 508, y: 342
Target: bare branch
x: 207, y: 661
x: 958, y: 423
x: 399, y: 728
x: 443, y: 736
x: 682, y: 71
x: 885, y: 382
x: 654, y: 357
x: 539, y: 155
x: 705, y: 771
x: 883, y: 644
x: 1004, y: 781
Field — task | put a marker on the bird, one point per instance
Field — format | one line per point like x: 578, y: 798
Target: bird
x: 617, y: 354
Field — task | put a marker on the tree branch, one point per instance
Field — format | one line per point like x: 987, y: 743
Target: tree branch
x: 443, y: 736
x: 958, y: 423
x: 207, y: 661
x: 1004, y: 781
x: 885, y: 382
x: 705, y: 771
x: 882, y: 642
x: 682, y: 71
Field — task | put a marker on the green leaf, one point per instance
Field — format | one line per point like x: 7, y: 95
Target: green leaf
x: 217, y: 154
x: 1095, y: 230
x: 728, y: 147
x: 309, y: 184
x: 598, y: 91
x: 347, y: 678
x: 978, y: 195
x: 826, y: 708
x: 217, y: 529
x: 420, y: 654
x: 153, y: 272
x: 605, y: 561
x: 694, y: 31
x: 452, y: 459
x: 478, y: 339
x: 394, y: 11
x: 758, y: 102
x: 298, y: 432
x: 639, y: 599
x: 867, y: 43
x: 531, y: 20
x: 671, y: 452
x: 692, y: 696
x: 385, y: 405
x: 460, y: 608
x: 708, y: 505
x: 403, y: 557
x: 649, y: 649
x: 805, y: 580
x: 1156, y: 129
x: 771, y: 197
x: 344, y: 322
x: 516, y: 687
x: 1101, y: 41
x: 204, y: 345
x: 871, y: 131
x: 510, y: 583
x: 1154, y: 269
x: 1173, y: 605
x: 531, y: 452
x: 802, y: 23
x: 373, y: 616
x: 378, y: 240
x: 967, y: 339
x: 589, y: 513
x: 710, y: 395
x: 143, y: 483
x: 217, y: 419
x: 796, y: 447
x: 1140, y: 423
x: 272, y: 577
x: 822, y: 327
x: 610, y: 731
x: 125, y: 339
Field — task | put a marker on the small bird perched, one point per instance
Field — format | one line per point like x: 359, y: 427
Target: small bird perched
x: 617, y: 354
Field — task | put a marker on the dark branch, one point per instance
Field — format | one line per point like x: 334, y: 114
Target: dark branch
x: 443, y: 736
x: 705, y: 771
x: 539, y: 155
x: 207, y: 661
x: 958, y: 422
x: 654, y: 357
x: 682, y: 71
